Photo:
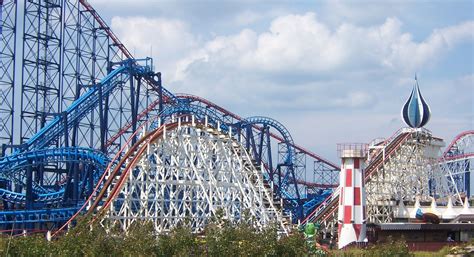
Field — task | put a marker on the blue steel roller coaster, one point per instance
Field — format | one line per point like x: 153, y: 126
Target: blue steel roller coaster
x: 65, y: 146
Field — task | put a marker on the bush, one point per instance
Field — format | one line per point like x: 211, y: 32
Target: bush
x: 220, y: 238
x: 292, y: 245
x: 27, y: 246
x: 395, y: 248
x: 392, y: 247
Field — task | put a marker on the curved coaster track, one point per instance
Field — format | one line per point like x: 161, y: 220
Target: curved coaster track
x: 84, y: 96
x: 73, y: 142
x: 407, y: 167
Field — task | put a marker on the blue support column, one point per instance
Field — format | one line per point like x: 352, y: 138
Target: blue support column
x: 75, y: 192
x: 250, y: 141
x: 269, y: 155
x: 279, y: 181
x: 137, y: 102
x: 160, y: 92
x: 8, y: 33
x: 260, y: 145
x: 41, y: 76
x: 102, y: 122
x: 467, y: 178
x: 90, y: 177
x: 29, y: 187
x: 133, y: 105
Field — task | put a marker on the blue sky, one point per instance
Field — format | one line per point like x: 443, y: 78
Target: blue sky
x: 330, y: 71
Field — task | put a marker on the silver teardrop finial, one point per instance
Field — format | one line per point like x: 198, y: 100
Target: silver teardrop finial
x: 416, y: 112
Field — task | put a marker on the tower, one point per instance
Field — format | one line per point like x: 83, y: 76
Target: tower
x: 351, y: 216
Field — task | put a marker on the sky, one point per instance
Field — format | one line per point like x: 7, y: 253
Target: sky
x: 330, y: 71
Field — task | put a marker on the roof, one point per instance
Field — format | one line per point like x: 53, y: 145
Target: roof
x: 463, y: 218
x: 426, y: 226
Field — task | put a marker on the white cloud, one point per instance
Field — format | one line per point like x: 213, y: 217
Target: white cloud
x: 407, y: 54
x: 302, y: 65
x: 168, y: 40
x: 301, y: 43
x: 224, y: 52
x: 293, y: 44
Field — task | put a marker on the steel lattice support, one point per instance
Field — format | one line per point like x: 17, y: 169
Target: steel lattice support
x: 67, y: 52
x: 8, y: 10
x: 458, y: 161
x: 412, y: 171
x: 324, y: 174
x: 40, y: 79
x: 460, y: 170
x: 299, y: 164
x: 41, y: 65
x: 86, y: 60
x: 403, y: 168
x: 189, y: 174
x: 67, y: 48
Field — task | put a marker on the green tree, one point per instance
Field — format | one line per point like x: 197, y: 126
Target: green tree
x: 292, y: 245
x: 33, y: 245
x: 140, y: 240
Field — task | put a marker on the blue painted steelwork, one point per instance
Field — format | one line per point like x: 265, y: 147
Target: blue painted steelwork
x: 13, y: 168
x: 41, y: 62
x: 36, y: 216
x: 283, y: 176
x: 18, y: 168
x: 265, y: 121
x: 87, y: 56
x: 67, y: 48
x: 83, y: 105
x: 315, y: 201
x: 1, y: 16
x: 8, y: 11
x: 18, y: 161
x: 66, y: 111
x: 76, y: 111
x: 416, y: 112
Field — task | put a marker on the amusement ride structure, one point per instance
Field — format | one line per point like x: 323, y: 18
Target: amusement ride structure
x: 86, y: 128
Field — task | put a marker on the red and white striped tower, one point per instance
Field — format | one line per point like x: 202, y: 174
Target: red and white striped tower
x: 352, y: 216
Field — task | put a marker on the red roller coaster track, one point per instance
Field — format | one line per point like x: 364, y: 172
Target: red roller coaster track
x: 329, y: 205
x: 191, y: 97
x: 456, y: 140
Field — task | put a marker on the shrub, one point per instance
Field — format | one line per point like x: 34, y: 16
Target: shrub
x: 220, y: 238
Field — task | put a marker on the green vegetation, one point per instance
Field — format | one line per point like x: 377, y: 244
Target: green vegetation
x: 399, y: 248
x: 218, y: 239
x: 394, y: 248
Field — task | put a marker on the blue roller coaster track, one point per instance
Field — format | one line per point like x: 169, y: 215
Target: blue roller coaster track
x: 82, y: 95
x: 11, y: 167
